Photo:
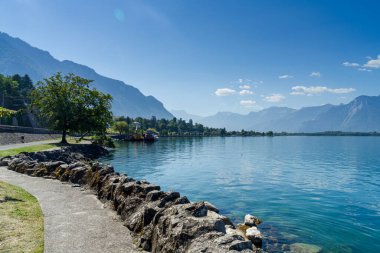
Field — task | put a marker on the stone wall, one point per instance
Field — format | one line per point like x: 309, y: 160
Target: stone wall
x: 160, y: 221
x: 7, y: 138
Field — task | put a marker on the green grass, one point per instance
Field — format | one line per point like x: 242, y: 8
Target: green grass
x: 35, y: 148
x: 21, y: 221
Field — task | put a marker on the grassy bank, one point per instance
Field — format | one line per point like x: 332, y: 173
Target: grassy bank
x: 35, y: 148
x: 21, y: 221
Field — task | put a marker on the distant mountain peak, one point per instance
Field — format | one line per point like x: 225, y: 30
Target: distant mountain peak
x: 19, y: 57
x: 360, y: 115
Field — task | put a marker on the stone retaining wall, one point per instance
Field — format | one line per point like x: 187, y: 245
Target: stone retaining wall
x: 7, y: 138
x: 160, y: 221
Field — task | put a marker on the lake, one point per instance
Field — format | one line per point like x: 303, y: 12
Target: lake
x: 318, y: 190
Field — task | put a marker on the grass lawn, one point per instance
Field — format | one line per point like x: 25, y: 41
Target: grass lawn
x: 34, y: 148
x: 21, y: 221
x: 38, y: 147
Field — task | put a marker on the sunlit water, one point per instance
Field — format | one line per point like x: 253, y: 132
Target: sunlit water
x: 318, y: 190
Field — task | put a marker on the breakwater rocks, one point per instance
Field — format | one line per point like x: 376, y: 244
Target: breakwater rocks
x: 159, y: 221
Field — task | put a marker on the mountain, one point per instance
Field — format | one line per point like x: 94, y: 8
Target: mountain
x: 254, y: 120
x: 181, y: 114
x: 18, y: 57
x: 292, y: 121
x: 360, y: 115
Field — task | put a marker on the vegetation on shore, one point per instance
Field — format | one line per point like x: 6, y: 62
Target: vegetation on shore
x: 181, y: 128
x: 67, y: 104
x: 176, y: 127
x: 21, y: 223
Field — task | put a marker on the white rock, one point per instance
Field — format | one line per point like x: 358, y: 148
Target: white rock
x: 254, y: 235
x: 251, y: 220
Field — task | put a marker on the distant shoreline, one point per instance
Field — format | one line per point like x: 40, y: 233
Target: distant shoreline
x: 279, y: 134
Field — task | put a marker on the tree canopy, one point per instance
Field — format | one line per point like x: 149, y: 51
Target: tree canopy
x: 68, y: 104
x: 6, y: 112
x: 121, y: 127
x: 14, y: 91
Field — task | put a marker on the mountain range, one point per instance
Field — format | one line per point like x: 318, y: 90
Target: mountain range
x: 18, y: 57
x: 360, y: 115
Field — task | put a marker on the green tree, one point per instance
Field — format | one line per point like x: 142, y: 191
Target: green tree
x: 6, y: 112
x: 69, y: 105
x: 121, y: 127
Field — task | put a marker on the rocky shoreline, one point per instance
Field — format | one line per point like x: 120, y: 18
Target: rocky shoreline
x: 159, y: 221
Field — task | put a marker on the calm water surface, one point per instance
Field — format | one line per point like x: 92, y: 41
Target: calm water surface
x: 318, y: 190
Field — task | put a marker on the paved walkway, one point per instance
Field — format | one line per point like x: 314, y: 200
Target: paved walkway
x: 27, y: 144
x: 75, y: 220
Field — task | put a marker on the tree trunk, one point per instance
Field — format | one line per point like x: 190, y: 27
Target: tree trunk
x: 64, y: 133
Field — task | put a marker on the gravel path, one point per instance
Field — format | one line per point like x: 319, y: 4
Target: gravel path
x: 75, y: 220
x: 20, y: 145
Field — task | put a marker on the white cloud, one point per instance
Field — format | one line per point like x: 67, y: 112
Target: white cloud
x: 373, y: 63
x: 315, y: 74
x: 285, y: 77
x: 365, y: 70
x: 221, y: 92
x: 351, y: 64
x: 248, y: 103
x: 274, y: 98
x: 302, y: 90
x: 245, y: 92
x: 245, y: 87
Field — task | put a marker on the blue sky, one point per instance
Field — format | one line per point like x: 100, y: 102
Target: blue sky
x: 207, y: 56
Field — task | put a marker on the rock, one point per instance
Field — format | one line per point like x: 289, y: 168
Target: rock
x: 51, y: 166
x: 3, y: 163
x: 154, y: 195
x: 175, y: 227
x: 230, y: 230
x: 77, y: 175
x: 254, y: 235
x: 198, y: 209
x: 243, y: 228
x: 211, y: 207
x: 305, y: 248
x: 214, y: 242
x: 171, y: 196
x: 251, y: 220
x: 215, y: 215
x: 182, y: 200
x: 288, y: 236
x: 140, y: 219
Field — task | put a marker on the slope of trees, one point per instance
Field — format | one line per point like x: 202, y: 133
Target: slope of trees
x: 14, y: 95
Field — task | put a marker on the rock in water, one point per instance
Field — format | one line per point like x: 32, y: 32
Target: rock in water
x: 251, y: 220
x: 254, y: 235
x: 305, y: 248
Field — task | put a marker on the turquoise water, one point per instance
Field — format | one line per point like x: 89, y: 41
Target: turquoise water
x: 318, y: 190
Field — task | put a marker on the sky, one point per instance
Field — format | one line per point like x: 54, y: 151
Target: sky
x: 207, y: 56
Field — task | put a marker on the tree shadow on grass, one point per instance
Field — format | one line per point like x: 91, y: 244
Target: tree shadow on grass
x: 10, y: 199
